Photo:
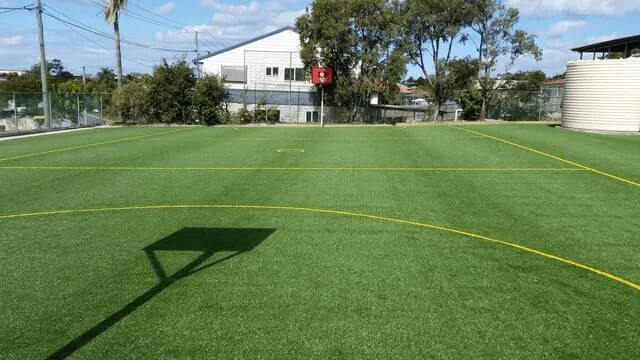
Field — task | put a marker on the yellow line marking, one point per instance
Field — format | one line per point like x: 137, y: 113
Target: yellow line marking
x: 391, y: 169
x: 91, y: 145
x: 290, y: 150
x: 359, y: 138
x: 615, y: 177
x: 345, y: 213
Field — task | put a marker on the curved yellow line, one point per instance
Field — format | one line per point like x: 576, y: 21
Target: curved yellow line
x: 339, y: 212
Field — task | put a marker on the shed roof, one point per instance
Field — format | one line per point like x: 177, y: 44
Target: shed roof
x: 616, y: 45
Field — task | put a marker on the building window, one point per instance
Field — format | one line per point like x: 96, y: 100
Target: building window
x: 234, y: 73
x: 272, y: 71
x: 312, y: 116
x: 294, y: 74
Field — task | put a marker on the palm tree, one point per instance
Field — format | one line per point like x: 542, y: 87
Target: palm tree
x: 111, y: 14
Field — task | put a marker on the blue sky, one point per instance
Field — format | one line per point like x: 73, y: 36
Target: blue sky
x: 559, y: 25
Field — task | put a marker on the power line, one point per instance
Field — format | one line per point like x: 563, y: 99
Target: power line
x: 7, y: 9
x: 108, y: 36
x: 219, y: 43
x: 99, y: 45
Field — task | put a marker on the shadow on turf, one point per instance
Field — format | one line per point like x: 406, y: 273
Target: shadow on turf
x: 207, y: 241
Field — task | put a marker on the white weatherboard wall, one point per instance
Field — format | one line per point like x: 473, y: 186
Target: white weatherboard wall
x: 295, y: 99
x: 280, y: 50
x: 602, y: 95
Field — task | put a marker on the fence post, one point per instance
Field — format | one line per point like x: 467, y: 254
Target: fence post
x: 15, y: 112
x: 78, y: 106
x: 50, y: 124
x: 540, y: 105
x: 101, y: 117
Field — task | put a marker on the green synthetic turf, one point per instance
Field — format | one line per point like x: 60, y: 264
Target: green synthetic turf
x: 275, y: 284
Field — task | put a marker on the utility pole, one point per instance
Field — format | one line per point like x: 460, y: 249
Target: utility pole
x: 43, y: 67
x: 197, y: 56
x: 84, y: 77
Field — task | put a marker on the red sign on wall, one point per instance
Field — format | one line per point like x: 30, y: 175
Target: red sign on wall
x: 322, y: 75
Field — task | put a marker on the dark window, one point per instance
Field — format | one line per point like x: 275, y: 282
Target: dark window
x: 268, y: 71
x: 275, y: 71
x: 294, y: 74
x: 312, y: 116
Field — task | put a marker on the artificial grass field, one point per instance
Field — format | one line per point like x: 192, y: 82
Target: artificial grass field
x: 210, y: 243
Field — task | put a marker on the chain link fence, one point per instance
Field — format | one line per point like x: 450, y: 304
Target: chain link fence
x: 22, y: 112
x: 291, y: 107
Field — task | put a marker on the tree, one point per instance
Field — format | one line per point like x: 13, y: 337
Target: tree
x: 111, y: 15
x: 170, y: 89
x: 429, y: 28
x: 358, y: 40
x: 104, y: 81
x: 494, y: 24
x: 209, y: 98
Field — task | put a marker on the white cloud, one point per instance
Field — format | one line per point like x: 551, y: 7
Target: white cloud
x: 165, y: 9
x: 233, y: 22
x: 4, y: 3
x: 547, y: 8
x: 11, y: 40
x: 92, y: 51
x: 565, y: 26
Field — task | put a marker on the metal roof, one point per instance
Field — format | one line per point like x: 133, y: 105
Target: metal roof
x: 240, y: 44
x: 621, y: 45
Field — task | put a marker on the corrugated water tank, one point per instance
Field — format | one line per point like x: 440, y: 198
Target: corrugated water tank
x: 602, y: 95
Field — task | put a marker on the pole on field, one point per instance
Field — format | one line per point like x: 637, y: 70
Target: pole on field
x: 322, y: 106
x: 84, y: 78
x: 43, y: 67
x: 101, y: 117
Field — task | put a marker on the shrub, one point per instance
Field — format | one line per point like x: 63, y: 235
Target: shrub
x: 169, y: 94
x: 132, y: 101
x: 209, y: 100
x: 471, y: 102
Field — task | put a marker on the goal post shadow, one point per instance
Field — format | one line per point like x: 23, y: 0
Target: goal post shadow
x: 207, y: 241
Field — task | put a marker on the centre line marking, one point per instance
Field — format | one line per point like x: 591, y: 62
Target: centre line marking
x: 389, y: 169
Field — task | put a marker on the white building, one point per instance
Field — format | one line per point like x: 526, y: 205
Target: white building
x: 267, y: 70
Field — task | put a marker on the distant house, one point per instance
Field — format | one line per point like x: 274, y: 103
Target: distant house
x: 267, y: 72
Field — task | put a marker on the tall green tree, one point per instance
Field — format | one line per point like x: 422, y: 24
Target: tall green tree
x: 495, y: 26
x: 358, y: 40
x: 430, y: 29
x: 111, y: 15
